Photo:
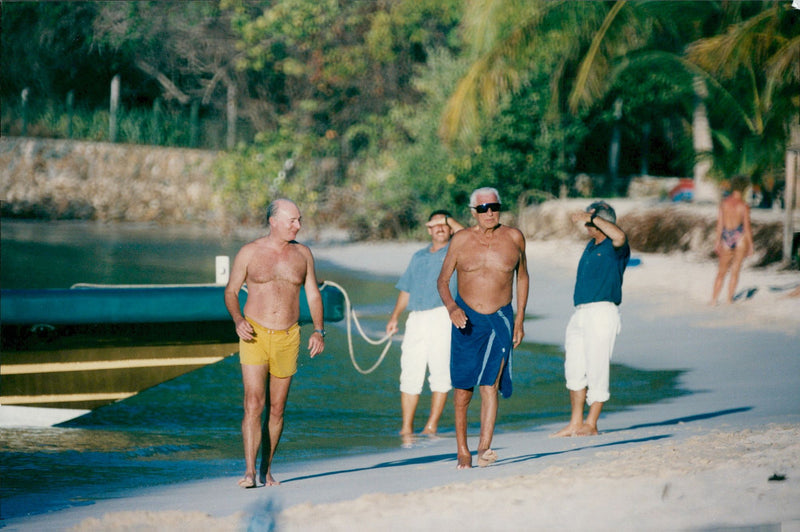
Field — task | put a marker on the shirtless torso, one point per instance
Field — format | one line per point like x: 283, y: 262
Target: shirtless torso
x: 486, y: 262
x: 275, y: 267
x: 274, y: 276
x: 487, y: 256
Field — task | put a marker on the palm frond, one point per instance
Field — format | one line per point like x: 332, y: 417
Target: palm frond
x: 741, y: 45
x: 784, y: 64
x: 585, y: 87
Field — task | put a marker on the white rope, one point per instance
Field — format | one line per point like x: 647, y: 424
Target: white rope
x: 349, y: 312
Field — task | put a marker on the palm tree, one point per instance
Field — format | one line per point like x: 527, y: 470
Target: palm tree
x: 585, y: 44
x: 506, y: 36
x: 754, y: 65
x: 753, y: 70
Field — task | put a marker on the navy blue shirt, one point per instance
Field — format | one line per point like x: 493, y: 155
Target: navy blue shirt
x: 600, y: 273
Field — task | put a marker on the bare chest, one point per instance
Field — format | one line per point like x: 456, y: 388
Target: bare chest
x: 288, y: 266
x: 489, y: 255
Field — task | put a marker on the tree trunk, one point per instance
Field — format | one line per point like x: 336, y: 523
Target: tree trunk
x: 704, y: 190
x: 113, y: 111
x: 790, y: 192
x: 231, y: 137
x: 644, y: 168
x: 614, y: 147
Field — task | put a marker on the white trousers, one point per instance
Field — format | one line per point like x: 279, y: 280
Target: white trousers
x: 426, y: 345
x: 589, y: 342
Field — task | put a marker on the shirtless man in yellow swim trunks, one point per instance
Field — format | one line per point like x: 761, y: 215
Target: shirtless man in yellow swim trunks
x: 275, y: 268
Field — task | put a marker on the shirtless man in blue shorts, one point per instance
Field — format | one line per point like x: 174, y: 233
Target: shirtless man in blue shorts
x: 275, y: 268
x: 487, y: 257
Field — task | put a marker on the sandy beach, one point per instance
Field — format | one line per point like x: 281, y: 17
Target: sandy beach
x: 726, y: 455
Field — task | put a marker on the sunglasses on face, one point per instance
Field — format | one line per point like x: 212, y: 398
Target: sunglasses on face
x: 484, y: 207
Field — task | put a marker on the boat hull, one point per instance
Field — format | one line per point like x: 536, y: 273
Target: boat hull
x: 88, y: 378
x: 82, y: 348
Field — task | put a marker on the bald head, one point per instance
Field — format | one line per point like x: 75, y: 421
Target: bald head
x: 281, y: 204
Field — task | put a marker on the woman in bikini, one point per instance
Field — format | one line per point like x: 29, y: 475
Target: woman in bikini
x: 734, y: 239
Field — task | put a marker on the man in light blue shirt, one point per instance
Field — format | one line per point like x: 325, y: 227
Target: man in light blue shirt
x: 426, y: 343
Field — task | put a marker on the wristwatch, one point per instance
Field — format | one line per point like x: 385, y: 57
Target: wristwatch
x: 321, y: 331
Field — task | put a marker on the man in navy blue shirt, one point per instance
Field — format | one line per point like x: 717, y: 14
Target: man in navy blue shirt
x: 593, y: 328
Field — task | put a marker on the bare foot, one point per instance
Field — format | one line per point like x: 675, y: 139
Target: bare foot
x: 429, y: 431
x: 566, y: 432
x: 464, y: 462
x: 486, y: 458
x: 587, y: 430
x: 268, y: 480
x: 248, y: 481
x: 408, y: 440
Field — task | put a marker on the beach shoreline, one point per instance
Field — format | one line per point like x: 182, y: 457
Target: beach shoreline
x: 698, y: 461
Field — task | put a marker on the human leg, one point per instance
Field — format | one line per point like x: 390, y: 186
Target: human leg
x: 589, y: 427
x: 735, y: 268
x: 725, y: 258
x: 412, y: 370
x: 577, y: 399
x: 602, y: 325
x: 575, y: 373
x: 489, y: 403
x: 278, y: 395
x: 461, y: 400
x: 408, y: 405
x: 254, y: 379
x: 439, y: 367
x: 438, y: 400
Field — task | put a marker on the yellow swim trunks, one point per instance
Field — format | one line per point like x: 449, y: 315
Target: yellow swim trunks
x: 276, y: 348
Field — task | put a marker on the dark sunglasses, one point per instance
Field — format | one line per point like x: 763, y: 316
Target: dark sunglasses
x: 484, y: 207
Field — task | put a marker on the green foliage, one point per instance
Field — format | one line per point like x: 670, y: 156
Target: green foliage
x: 342, y: 106
x: 655, y: 90
x: 46, y: 46
x: 277, y: 165
x: 522, y: 150
x: 423, y: 169
x: 752, y: 74
x: 135, y: 126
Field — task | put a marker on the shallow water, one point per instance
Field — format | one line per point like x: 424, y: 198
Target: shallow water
x: 189, y: 428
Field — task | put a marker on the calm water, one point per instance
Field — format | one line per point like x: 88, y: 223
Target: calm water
x: 189, y: 428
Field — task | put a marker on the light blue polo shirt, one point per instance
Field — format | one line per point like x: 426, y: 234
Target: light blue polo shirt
x: 420, y: 277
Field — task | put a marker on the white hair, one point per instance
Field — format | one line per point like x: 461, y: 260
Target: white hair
x: 483, y: 190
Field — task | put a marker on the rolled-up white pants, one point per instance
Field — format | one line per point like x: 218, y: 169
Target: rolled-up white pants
x: 426, y: 345
x: 589, y: 342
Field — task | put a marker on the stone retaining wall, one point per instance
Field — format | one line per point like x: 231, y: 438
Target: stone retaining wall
x: 66, y: 179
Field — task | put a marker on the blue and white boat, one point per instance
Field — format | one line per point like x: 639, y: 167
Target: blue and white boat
x: 76, y: 349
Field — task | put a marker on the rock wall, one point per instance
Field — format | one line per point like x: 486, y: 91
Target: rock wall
x: 66, y: 179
